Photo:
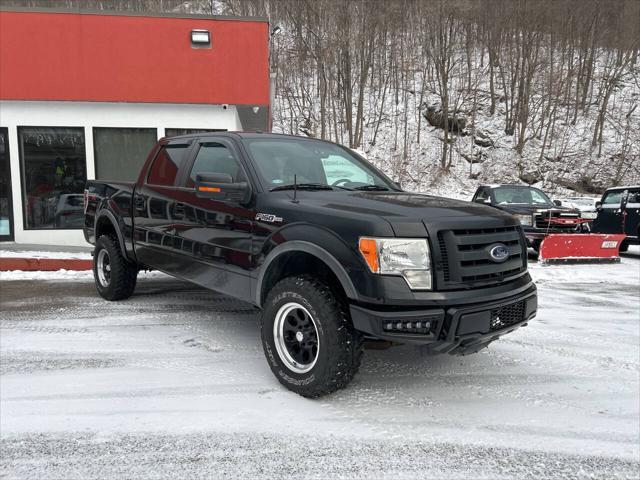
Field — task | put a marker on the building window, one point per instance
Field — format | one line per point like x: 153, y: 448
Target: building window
x: 166, y: 165
x: 120, y: 152
x: 174, y: 132
x: 53, y: 176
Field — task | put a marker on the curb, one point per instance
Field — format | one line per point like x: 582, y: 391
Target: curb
x: 44, y: 264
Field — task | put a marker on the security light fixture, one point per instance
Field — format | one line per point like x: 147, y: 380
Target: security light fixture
x: 200, y: 38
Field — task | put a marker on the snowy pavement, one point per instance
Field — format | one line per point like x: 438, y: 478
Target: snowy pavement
x: 173, y: 383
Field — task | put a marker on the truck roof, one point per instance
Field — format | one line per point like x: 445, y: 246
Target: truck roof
x: 497, y: 185
x: 626, y: 187
x: 257, y: 134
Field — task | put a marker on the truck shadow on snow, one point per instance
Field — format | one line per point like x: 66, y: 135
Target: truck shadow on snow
x: 222, y: 320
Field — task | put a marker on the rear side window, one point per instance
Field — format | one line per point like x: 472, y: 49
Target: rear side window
x: 166, y: 165
x: 214, y: 157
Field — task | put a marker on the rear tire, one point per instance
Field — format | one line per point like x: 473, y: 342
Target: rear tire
x: 114, y: 275
x: 308, y: 339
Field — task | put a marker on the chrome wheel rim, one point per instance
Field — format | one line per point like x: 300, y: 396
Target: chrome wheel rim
x: 103, y: 268
x: 296, y: 337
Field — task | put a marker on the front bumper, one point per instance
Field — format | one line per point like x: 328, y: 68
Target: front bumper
x: 454, y: 329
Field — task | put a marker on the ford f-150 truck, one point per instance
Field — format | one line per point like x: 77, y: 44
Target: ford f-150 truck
x: 538, y: 214
x: 331, y: 250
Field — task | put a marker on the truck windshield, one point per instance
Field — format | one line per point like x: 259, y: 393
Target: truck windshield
x: 520, y: 196
x: 312, y: 162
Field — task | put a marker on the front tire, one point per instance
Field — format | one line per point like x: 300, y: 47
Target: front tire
x: 308, y: 339
x: 624, y: 246
x: 114, y: 275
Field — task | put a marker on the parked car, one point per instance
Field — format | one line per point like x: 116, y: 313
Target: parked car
x: 330, y: 249
x: 69, y: 212
x: 619, y: 212
x: 537, y: 213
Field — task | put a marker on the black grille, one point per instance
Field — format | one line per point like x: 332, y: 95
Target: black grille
x: 465, y: 260
x: 544, y: 220
x: 507, y: 315
x: 444, y: 257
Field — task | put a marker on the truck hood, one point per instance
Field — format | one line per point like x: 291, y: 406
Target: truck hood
x: 396, y: 205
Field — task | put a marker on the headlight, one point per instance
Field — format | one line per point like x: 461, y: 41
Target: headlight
x: 407, y: 257
x: 524, y: 219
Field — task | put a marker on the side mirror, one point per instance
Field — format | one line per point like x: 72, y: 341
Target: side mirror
x: 483, y: 201
x: 598, y: 205
x: 220, y: 186
x: 557, y: 203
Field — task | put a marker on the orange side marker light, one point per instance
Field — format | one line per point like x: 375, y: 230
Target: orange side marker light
x: 369, y: 250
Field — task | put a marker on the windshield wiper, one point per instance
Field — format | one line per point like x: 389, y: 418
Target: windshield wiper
x: 302, y: 186
x: 372, y: 188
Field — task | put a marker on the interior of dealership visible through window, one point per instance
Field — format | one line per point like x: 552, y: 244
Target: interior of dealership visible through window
x: 53, y: 169
x: 6, y: 227
x: 53, y: 176
x: 120, y: 152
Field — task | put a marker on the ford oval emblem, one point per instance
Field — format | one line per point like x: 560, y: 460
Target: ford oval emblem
x: 498, y: 252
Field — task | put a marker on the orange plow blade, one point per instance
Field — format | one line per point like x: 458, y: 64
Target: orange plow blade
x: 580, y: 247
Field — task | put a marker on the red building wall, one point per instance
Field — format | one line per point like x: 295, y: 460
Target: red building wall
x: 113, y: 58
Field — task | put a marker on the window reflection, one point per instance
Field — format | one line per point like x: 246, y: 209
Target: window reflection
x: 54, y: 175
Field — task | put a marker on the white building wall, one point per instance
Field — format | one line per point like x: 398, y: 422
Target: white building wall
x: 14, y: 114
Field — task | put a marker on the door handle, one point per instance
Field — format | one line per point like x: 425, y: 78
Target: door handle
x: 178, y: 210
x: 140, y: 202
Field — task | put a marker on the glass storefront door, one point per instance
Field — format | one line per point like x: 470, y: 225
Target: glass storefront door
x: 6, y: 210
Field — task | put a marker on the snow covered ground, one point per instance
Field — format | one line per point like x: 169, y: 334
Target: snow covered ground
x: 45, y: 254
x: 173, y: 382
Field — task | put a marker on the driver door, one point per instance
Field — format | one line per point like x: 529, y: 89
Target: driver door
x: 215, y: 234
x: 609, y: 219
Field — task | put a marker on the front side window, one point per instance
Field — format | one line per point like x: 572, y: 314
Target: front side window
x: 120, y: 153
x: 53, y: 176
x: 279, y: 161
x: 214, y: 157
x: 164, y: 169
x: 482, y: 195
x: 614, y: 198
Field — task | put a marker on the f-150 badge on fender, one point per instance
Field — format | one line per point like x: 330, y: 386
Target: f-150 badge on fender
x: 267, y: 217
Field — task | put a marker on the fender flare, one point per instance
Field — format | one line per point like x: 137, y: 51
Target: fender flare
x: 111, y: 217
x: 312, y: 249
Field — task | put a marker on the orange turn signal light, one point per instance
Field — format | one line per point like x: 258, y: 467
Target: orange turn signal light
x: 209, y: 189
x: 369, y: 250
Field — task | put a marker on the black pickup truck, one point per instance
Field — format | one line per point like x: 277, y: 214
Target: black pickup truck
x: 538, y: 214
x: 619, y: 212
x: 330, y: 249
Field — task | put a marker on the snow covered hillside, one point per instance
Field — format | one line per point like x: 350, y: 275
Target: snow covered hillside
x: 445, y: 94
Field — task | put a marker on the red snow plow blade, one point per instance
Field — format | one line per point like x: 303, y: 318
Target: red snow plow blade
x: 581, y: 247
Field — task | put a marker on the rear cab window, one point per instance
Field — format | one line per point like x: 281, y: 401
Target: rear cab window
x: 165, y: 167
